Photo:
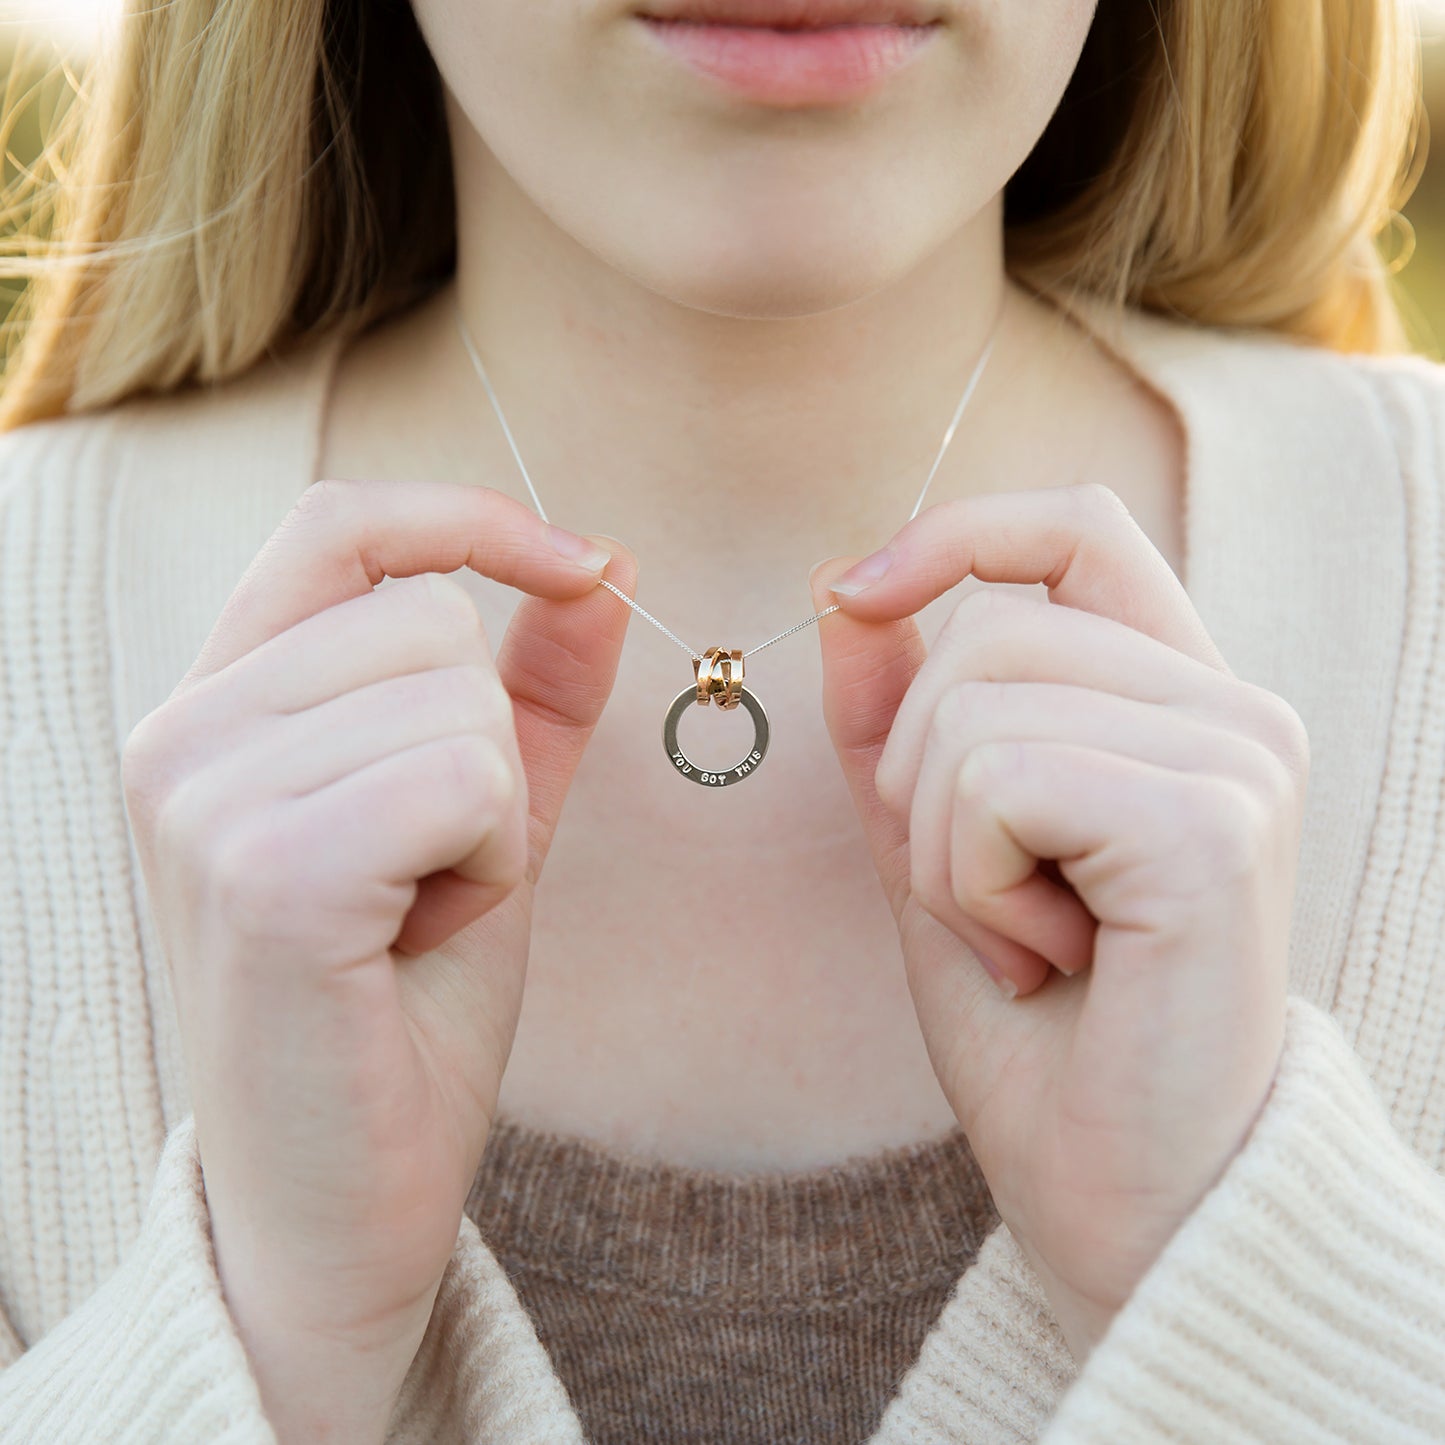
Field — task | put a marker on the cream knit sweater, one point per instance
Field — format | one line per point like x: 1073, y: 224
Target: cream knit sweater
x: 1303, y: 1300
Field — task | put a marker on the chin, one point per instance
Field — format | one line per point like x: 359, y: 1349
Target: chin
x: 797, y: 274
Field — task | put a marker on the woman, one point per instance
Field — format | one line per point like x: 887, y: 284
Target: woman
x: 773, y: 1158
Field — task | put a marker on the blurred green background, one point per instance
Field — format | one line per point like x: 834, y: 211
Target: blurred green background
x: 1422, y: 277
x: 64, y: 29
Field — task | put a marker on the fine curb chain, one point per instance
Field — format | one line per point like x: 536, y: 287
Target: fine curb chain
x: 481, y: 371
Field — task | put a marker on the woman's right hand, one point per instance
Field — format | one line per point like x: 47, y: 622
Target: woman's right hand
x: 343, y: 781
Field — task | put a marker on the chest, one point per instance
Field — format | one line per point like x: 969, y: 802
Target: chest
x: 721, y: 964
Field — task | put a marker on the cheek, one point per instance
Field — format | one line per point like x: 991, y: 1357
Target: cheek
x: 506, y: 64
x: 1027, y: 51
x: 535, y: 88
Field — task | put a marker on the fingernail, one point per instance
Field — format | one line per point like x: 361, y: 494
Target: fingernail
x: 863, y: 573
x: 813, y: 570
x: 1006, y: 986
x: 578, y: 549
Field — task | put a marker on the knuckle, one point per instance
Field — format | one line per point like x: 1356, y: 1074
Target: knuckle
x: 140, y: 775
x: 1269, y: 778
x: 926, y: 886
x: 150, y: 770
x: 250, y: 879
x: 447, y: 599
x: 981, y: 768
x: 889, y: 787
x: 482, y: 699
x: 184, y: 821
x: 476, y: 772
x: 1280, y: 790
x: 449, y: 609
x: 983, y: 602
x: 958, y: 707
x: 1284, y: 731
x: 984, y: 614
x: 1100, y: 512
x: 955, y: 718
x: 1095, y: 499
x: 960, y: 887
x: 1231, y: 829
x: 324, y: 500
x: 455, y: 698
x: 973, y: 618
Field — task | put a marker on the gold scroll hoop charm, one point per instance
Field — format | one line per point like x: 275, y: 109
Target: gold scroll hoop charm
x: 718, y: 678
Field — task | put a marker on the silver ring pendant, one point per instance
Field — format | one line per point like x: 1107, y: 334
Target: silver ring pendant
x: 740, y: 770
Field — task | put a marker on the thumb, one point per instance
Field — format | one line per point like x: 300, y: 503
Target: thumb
x: 867, y: 667
x: 558, y: 660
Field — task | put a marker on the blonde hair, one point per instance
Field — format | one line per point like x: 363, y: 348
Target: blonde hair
x: 232, y: 177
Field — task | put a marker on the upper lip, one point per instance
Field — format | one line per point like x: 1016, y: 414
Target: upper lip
x: 794, y: 14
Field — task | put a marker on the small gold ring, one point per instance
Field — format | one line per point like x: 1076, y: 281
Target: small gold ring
x: 714, y: 682
x: 733, y: 692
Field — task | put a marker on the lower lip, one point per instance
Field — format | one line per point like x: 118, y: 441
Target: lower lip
x: 794, y: 67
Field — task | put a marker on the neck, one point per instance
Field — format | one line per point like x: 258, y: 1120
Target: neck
x: 656, y: 421
x: 753, y: 445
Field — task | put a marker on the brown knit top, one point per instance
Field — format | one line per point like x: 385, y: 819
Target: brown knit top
x: 681, y: 1304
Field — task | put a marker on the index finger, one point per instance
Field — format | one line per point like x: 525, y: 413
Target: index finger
x: 343, y: 537
x: 1079, y: 540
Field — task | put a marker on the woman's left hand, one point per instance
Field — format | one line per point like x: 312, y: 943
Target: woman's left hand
x: 1087, y: 795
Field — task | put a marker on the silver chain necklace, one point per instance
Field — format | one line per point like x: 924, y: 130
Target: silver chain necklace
x: 718, y: 672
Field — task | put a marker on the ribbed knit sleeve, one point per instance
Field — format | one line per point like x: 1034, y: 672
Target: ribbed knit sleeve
x: 106, y: 1267
x: 1304, y: 1299
x: 152, y: 1355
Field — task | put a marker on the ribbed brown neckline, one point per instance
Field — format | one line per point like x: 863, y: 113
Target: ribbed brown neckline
x: 899, y: 1219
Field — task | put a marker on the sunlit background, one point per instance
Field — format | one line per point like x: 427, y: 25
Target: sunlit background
x: 71, y: 28
x: 74, y: 22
